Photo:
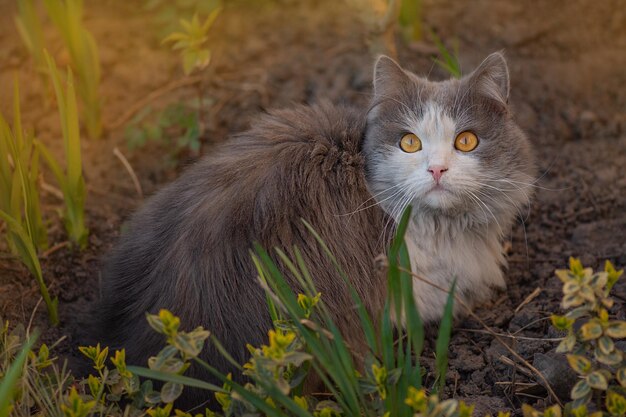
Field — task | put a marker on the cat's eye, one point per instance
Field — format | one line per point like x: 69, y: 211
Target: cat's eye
x: 410, y: 143
x: 466, y: 141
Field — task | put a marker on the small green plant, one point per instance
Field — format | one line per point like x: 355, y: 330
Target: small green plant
x: 192, y: 43
x: 67, y: 16
x: 176, y: 125
x: 20, y: 207
x: 167, y: 13
x: 448, y: 60
x: 591, y: 349
x: 71, y: 180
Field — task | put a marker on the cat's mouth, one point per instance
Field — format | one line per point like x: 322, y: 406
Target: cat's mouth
x: 437, y: 188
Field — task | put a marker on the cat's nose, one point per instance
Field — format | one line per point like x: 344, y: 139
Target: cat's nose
x: 437, y: 171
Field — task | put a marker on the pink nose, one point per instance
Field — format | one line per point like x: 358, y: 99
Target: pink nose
x: 437, y: 171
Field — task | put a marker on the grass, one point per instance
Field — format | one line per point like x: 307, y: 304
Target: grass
x: 11, y: 377
x: 19, y: 206
x: 71, y: 179
x: 67, y: 17
x: 448, y: 60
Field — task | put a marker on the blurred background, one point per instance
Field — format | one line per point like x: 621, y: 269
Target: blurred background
x: 159, y: 83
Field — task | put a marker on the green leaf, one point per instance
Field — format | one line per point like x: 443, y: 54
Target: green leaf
x: 567, y: 344
x: 616, y: 329
x: 597, y: 381
x: 561, y: 322
x: 613, y: 358
x: 170, y: 391
x: 591, y: 330
x: 443, y: 339
x: 606, y: 345
x: 174, y: 378
x: 575, y: 266
x: 620, y: 375
x: 615, y: 404
x: 580, y: 364
x: 580, y: 390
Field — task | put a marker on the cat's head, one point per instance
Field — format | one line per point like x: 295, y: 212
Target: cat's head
x: 447, y: 147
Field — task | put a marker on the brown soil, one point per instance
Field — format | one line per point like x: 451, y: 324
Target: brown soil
x: 567, y: 65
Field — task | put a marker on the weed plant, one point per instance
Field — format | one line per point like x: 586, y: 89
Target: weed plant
x: 71, y: 179
x: 192, y: 42
x: 20, y: 208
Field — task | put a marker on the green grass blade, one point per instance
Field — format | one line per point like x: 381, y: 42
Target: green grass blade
x: 413, y: 323
x: 72, y: 140
x: 449, y: 61
x: 443, y: 339
x: 274, y: 314
x: 12, y: 376
x: 56, y: 83
x: 177, y: 379
x: 54, y: 166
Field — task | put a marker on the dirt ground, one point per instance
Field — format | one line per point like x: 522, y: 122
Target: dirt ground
x: 567, y: 61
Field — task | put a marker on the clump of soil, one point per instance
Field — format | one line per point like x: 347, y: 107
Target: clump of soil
x: 567, y: 94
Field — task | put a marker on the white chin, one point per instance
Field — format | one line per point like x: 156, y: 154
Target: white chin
x: 440, y: 199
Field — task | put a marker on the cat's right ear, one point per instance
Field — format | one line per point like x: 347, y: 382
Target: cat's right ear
x: 388, y: 76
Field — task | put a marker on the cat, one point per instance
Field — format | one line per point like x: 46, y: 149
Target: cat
x: 451, y: 149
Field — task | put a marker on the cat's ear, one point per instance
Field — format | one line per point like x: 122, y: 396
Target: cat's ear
x: 491, y: 78
x: 388, y: 76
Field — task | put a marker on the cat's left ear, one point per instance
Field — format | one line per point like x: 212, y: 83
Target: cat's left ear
x: 491, y: 78
x: 389, y: 77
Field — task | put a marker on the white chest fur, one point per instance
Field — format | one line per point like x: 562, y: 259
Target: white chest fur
x: 445, y: 250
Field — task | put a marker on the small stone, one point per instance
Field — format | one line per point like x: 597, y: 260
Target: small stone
x: 556, y: 370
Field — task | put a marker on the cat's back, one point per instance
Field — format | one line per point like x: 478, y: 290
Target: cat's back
x: 187, y: 249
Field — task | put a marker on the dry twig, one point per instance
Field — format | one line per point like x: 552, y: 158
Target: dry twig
x: 130, y: 171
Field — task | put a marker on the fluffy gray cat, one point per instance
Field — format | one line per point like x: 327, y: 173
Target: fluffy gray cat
x: 451, y: 149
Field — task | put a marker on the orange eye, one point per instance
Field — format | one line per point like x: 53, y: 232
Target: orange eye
x: 466, y: 141
x: 410, y: 143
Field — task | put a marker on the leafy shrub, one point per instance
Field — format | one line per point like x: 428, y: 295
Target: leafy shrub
x: 590, y: 343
